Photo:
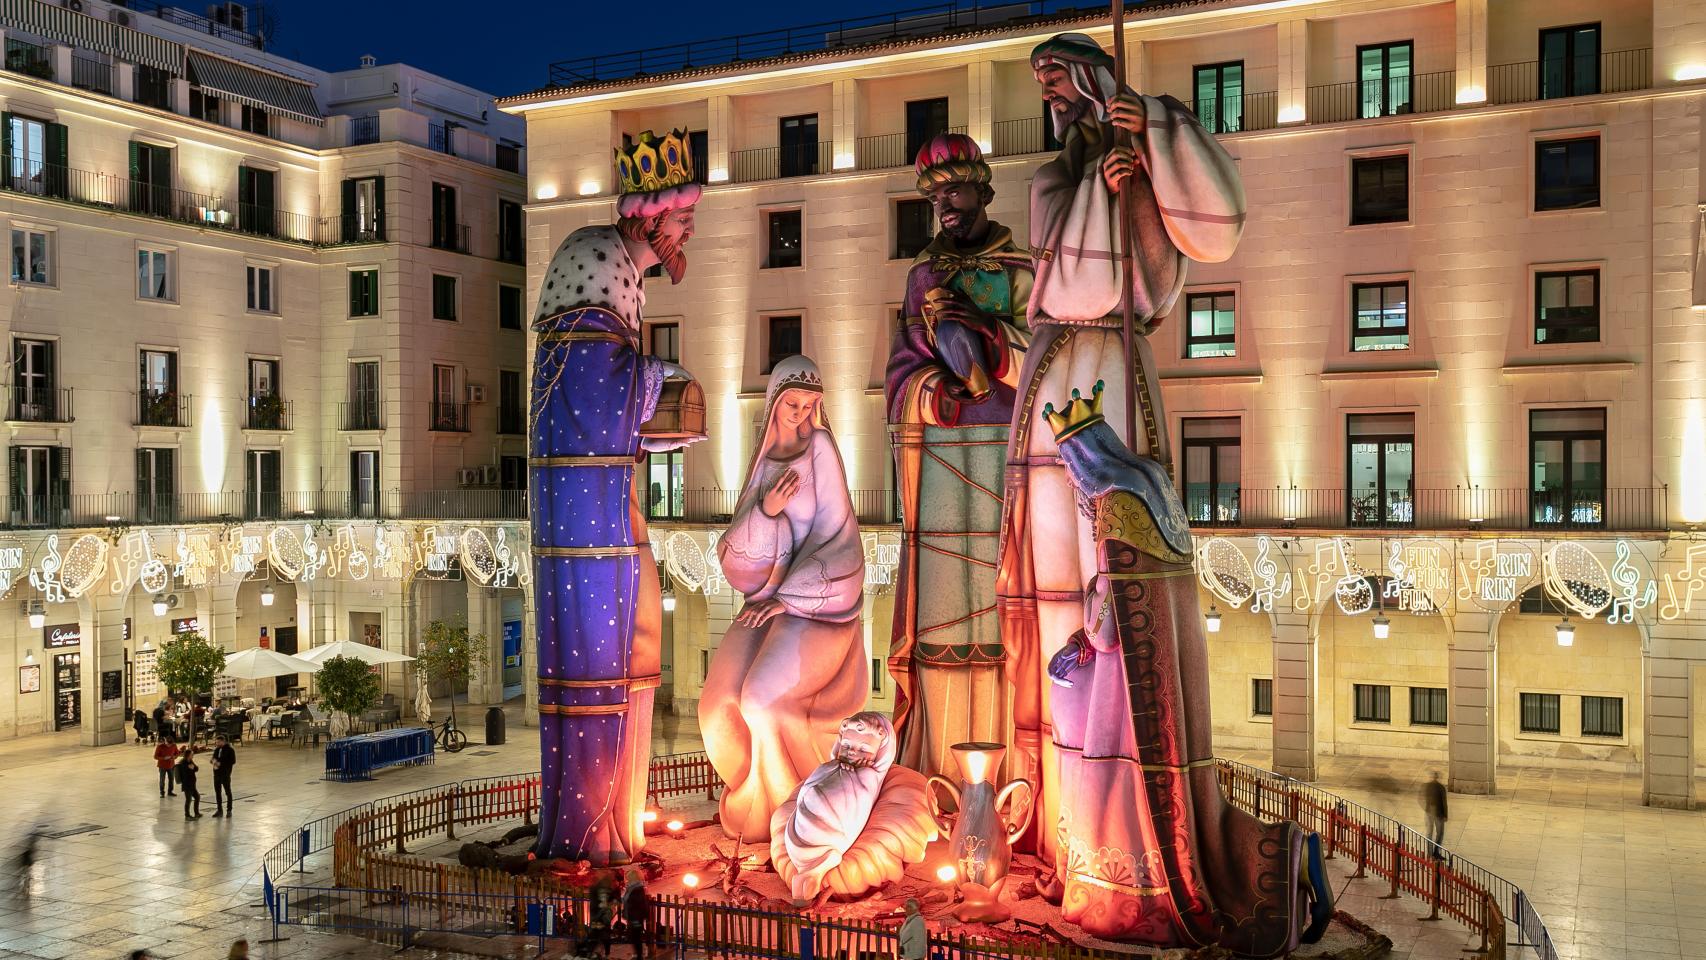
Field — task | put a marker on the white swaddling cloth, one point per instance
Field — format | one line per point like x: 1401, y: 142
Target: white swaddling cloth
x: 835, y: 801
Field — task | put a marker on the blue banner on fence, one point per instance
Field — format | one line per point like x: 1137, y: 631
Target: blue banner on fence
x: 541, y: 920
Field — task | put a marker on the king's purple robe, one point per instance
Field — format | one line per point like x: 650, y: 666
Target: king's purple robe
x: 597, y: 603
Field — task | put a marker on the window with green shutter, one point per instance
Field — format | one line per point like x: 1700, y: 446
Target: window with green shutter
x: 364, y: 292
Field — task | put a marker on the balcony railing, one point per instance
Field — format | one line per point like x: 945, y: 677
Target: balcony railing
x: 445, y: 416
x: 471, y: 504
x: 1366, y: 99
x: 40, y: 405
x: 28, y: 58
x: 773, y: 163
x: 1616, y: 72
x: 1011, y: 138
x: 1238, y: 112
x: 162, y: 409
x: 450, y: 236
x: 106, y: 509
x: 441, y: 137
x: 268, y: 412
x: 91, y: 74
x: 885, y: 151
x: 714, y: 505
x: 268, y: 221
x: 1459, y: 508
x: 361, y: 415
x: 363, y: 130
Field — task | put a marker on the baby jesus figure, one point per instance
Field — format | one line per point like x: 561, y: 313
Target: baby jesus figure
x: 856, y: 822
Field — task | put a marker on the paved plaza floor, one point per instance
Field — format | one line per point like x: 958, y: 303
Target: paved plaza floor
x: 1611, y: 877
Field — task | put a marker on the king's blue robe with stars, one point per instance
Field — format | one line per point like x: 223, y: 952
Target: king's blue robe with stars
x: 597, y: 602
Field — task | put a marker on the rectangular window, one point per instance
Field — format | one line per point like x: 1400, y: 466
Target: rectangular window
x: 1567, y: 463
x: 876, y: 676
x: 1539, y: 713
x: 364, y: 482
x: 666, y: 486
x: 31, y: 260
x: 699, y: 149
x: 512, y: 473
x: 1210, y: 461
x: 508, y: 157
x: 1219, y: 97
x: 1262, y: 697
x: 1383, y: 77
x: 155, y: 485
x: 1210, y: 325
x: 151, y: 182
x: 784, y: 338
x: 1427, y: 706
x: 509, y: 307
x: 262, y: 473
x: 363, y: 410
x: 443, y: 297
x: 1380, y: 316
x: 797, y: 139
x: 924, y: 120
x: 1566, y: 174
x: 1569, y: 61
x: 204, y: 105
x: 364, y: 209
x: 364, y: 293
x: 1380, y: 189
x: 666, y: 341
x: 509, y: 231
x: 34, y: 376
x: 1380, y: 476
x: 154, y: 87
x: 257, y: 202
x: 266, y: 402
x: 447, y: 411
x: 256, y: 120
x: 1566, y: 307
x: 41, y: 486
x: 157, y: 389
x: 782, y: 227
x: 36, y: 153
x: 1602, y: 716
x: 1373, y: 703
x: 446, y: 229
x: 914, y: 226
x: 154, y: 274
x: 512, y: 411
x: 261, y: 288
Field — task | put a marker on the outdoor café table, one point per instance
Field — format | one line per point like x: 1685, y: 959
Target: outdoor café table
x: 355, y: 758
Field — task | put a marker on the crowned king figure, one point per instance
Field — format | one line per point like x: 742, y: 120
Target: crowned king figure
x: 598, y: 605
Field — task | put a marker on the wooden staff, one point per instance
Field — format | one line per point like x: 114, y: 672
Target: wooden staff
x: 1128, y: 261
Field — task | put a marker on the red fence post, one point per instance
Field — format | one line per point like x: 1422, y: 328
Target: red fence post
x: 1397, y: 867
x: 450, y: 813
x: 1438, y: 888
x: 1362, y: 852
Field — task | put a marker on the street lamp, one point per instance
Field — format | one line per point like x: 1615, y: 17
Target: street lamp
x: 266, y: 595
x: 1566, y: 632
x: 1212, y: 619
x: 159, y: 605
x: 38, y: 615
x: 1382, y: 628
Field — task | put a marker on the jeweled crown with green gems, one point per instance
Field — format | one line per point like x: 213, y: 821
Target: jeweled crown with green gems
x: 652, y: 163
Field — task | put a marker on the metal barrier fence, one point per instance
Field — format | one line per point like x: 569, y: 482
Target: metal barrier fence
x: 380, y: 894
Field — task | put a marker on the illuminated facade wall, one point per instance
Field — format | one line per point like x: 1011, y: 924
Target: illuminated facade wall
x: 380, y: 121
x: 1467, y: 236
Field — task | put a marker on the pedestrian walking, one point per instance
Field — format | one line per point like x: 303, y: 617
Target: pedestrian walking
x: 600, y: 916
x: 239, y: 950
x: 165, y: 757
x: 636, y: 914
x: 28, y: 857
x: 141, y: 955
x: 224, y: 758
x: 186, y: 780
x: 914, y: 935
x: 1433, y: 802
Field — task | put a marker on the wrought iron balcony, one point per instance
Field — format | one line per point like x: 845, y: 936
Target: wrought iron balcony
x: 714, y: 505
x: 162, y: 408
x: 773, y: 163
x: 269, y: 412
x: 40, y: 405
x: 1616, y: 72
x: 1458, y: 508
x: 446, y: 416
x: 450, y: 236
x: 361, y: 414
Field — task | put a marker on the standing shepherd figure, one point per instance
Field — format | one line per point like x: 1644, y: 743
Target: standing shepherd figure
x: 598, y: 604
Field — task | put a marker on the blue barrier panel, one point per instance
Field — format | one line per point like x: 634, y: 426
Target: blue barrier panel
x: 355, y: 758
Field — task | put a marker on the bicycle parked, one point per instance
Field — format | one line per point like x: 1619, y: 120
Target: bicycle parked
x: 446, y: 735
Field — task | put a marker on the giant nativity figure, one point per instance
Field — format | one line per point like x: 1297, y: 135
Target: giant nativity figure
x: 598, y: 604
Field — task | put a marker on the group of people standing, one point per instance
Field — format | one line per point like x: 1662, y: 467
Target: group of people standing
x: 178, y: 770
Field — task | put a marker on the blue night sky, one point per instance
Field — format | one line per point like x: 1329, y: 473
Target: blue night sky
x: 504, y: 46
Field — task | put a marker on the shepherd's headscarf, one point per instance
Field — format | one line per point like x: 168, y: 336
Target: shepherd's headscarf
x: 1090, y: 68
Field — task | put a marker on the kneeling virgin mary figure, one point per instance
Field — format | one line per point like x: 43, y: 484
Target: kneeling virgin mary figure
x: 792, y: 665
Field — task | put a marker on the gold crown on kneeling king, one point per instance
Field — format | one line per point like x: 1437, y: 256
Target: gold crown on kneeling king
x: 654, y: 162
x: 1079, y: 413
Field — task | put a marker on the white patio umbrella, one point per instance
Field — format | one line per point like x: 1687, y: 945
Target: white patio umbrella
x: 259, y: 663
x: 359, y: 651
x: 423, y: 703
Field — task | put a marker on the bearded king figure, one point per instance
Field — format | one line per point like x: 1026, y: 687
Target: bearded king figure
x: 950, y: 387
x: 598, y: 605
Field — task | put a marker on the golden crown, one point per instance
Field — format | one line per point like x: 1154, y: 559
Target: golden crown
x: 654, y: 163
x: 1079, y: 414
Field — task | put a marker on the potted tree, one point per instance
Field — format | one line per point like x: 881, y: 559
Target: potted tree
x: 188, y: 664
x: 449, y: 654
x: 349, y: 686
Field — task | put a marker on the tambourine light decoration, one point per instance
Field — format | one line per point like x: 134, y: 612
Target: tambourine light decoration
x: 479, y: 556
x: 1225, y: 572
x: 1576, y: 579
x: 685, y: 561
x: 285, y: 551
